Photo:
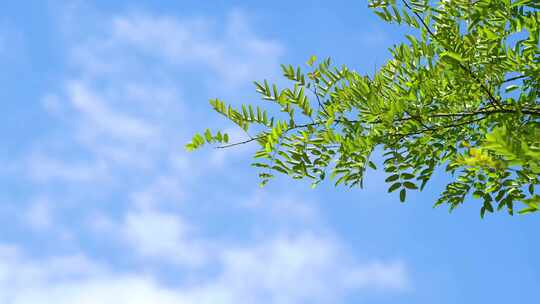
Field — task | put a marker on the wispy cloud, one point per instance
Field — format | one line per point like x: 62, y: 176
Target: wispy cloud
x: 235, y: 53
x: 102, y: 119
x: 298, y: 269
x: 123, y: 108
x: 45, y: 169
x: 163, y: 236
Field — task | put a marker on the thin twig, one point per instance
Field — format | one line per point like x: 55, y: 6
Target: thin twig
x: 403, y: 135
x: 264, y: 135
x: 484, y: 112
x: 514, y: 78
x: 461, y: 65
x: 321, y: 106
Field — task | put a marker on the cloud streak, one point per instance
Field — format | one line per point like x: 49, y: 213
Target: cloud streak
x: 283, y: 270
x: 115, y: 159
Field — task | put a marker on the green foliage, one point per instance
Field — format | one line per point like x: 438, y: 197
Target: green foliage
x: 461, y: 94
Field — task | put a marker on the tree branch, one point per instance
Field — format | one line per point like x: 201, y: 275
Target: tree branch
x: 461, y: 65
x: 484, y: 112
x: 514, y: 78
x: 262, y: 136
x: 403, y: 135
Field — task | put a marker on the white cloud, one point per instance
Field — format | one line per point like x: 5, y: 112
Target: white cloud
x: 101, y: 119
x: 380, y: 275
x: 120, y: 112
x: 303, y: 269
x: 164, y: 190
x: 68, y: 279
x: 123, y: 101
x: 163, y: 236
x: 18, y: 273
x: 235, y: 53
x: 43, y: 168
x: 103, y: 290
x: 283, y: 208
x: 298, y: 270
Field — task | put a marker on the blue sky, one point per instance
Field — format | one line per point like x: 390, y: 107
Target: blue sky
x: 101, y: 204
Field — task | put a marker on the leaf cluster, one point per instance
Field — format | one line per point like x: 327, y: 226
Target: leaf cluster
x: 460, y: 93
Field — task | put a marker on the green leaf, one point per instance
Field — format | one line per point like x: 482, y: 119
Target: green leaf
x: 392, y: 178
x: 208, y: 135
x: 528, y: 210
x: 511, y: 88
x: 312, y: 60
x: 440, y: 102
x: 478, y: 194
x: 402, y: 195
x: 488, y: 206
x: 260, y: 165
x: 394, y: 187
x: 450, y: 56
x: 409, y: 185
x: 407, y: 176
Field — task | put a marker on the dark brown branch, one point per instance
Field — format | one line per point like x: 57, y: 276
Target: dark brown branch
x: 419, y: 17
x: 484, y: 112
x: 514, y: 78
x: 403, y: 135
x: 239, y: 143
x: 321, y: 106
x: 262, y: 136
